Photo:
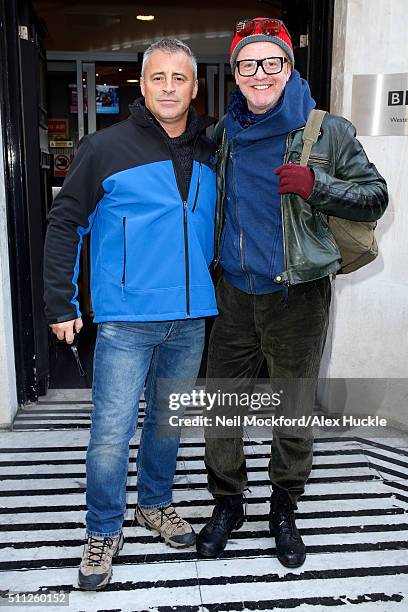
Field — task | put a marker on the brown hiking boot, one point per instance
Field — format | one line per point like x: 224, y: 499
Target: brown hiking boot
x: 95, y: 570
x: 174, y: 530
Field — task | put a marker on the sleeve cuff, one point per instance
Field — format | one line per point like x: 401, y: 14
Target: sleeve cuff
x: 63, y: 318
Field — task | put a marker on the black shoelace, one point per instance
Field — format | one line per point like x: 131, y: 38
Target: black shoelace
x: 172, y: 516
x: 221, y: 515
x: 96, y: 550
x: 286, y: 521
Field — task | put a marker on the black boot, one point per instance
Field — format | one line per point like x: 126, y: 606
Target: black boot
x: 228, y: 515
x: 290, y: 548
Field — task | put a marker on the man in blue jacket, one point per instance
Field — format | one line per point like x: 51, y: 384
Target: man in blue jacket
x: 145, y: 190
x: 277, y: 255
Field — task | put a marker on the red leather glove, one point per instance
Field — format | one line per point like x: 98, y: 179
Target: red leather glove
x: 296, y: 179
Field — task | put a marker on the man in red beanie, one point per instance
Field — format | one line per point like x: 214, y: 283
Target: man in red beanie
x: 277, y: 256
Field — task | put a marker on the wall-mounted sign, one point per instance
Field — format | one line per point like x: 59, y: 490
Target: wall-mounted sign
x: 62, y: 164
x: 380, y: 104
x: 58, y: 129
x: 61, y: 144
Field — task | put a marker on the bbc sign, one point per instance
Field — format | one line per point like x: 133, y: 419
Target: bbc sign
x: 379, y: 105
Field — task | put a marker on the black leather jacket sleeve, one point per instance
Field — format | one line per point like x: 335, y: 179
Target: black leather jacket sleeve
x: 355, y: 190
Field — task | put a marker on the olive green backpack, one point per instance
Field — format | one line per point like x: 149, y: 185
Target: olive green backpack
x: 355, y: 239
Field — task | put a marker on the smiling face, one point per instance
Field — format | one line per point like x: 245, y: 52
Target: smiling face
x: 262, y: 91
x: 168, y: 86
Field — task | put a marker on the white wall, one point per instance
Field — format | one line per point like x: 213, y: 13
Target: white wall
x: 370, y: 308
x: 8, y: 398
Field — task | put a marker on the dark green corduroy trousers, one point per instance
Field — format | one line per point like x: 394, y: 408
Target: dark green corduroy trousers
x: 290, y: 335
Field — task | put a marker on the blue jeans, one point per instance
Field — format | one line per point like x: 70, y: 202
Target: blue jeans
x: 126, y: 356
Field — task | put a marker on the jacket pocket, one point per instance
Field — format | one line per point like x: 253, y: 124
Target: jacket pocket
x: 320, y: 161
x: 124, y: 251
x: 321, y: 223
x: 197, y: 189
x: 314, y: 160
x: 324, y: 230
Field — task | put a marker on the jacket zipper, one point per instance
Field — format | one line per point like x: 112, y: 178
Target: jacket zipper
x: 124, y: 252
x: 197, y: 189
x: 224, y: 162
x: 184, y: 202
x: 186, y: 258
x: 241, y: 235
x: 282, y: 211
x: 285, y: 161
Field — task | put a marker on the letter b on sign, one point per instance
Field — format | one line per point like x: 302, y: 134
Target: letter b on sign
x: 395, y: 98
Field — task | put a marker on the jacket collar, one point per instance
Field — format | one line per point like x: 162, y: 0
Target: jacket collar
x: 144, y: 118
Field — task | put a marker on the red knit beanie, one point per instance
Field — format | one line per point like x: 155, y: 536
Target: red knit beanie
x: 282, y: 39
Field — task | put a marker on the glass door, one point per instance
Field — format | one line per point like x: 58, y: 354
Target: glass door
x: 69, y: 96
x: 219, y: 84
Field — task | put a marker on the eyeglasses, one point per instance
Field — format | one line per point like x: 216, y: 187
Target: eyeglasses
x: 269, y: 27
x: 270, y: 65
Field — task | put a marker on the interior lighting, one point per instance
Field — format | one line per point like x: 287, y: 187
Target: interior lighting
x: 145, y: 17
x: 132, y: 80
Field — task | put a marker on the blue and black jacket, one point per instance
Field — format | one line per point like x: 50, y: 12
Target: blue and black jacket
x: 151, y: 244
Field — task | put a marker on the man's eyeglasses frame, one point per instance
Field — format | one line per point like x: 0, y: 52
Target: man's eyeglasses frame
x: 260, y: 62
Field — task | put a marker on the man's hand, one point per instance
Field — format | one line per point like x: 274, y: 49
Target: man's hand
x: 295, y: 179
x: 65, y: 331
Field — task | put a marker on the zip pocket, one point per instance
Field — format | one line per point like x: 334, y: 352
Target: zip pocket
x: 324, y: 225
x: 323, y: 219
x: 197, y: 189
x: 124, y: 252
x: 318, y: 160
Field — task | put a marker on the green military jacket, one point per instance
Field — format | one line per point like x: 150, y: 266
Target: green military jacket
x: 346, y: 185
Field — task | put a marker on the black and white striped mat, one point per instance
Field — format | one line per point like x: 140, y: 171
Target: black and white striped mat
x: 353, y: 518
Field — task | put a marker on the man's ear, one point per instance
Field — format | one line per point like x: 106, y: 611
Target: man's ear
x: 195, y: 90
x: 142, y: 86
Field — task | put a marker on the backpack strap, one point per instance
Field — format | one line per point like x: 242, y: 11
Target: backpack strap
x: 311, y: 134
